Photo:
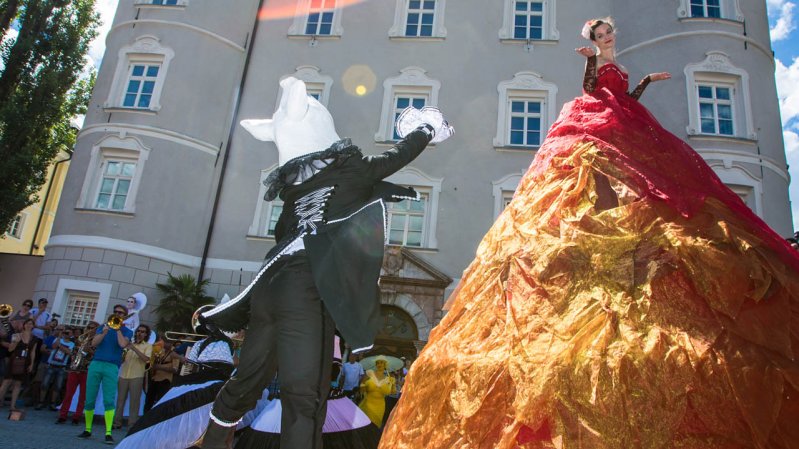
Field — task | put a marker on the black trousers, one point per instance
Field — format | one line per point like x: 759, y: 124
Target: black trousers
x: 289, y: 330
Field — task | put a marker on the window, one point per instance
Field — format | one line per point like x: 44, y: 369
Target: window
x: 139, y: 76
x: 710, y: 9
x: 411, y: 88
x: 739, y: 173
x: 114, y: 174
x: 705, y: 8
x: 115, y: 184
x: 266, y: 212
x: 141, y: 84
x: 401, y: 102
x: 316, y: 84
x: 503, y: 191
x: 718, y: 99
x: 529, y: 20
x: 81, y: 301
x: 413, y: 223
x: 526, y: 108
x: 80, y: 309
x: 15, y: 227
x: 419, y: 19
x: 406, y: 221
x: 715, y: 109
x: 525, y: 122
x: 317, y: 18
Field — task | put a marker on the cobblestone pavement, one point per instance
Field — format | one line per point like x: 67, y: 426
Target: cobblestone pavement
x: 39, y: 431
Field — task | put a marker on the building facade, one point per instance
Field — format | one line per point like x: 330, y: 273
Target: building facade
x: 163, y: 180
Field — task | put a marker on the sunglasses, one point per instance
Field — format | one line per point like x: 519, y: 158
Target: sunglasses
x: 141, y: 332
x: 27, y: 305
x: 120, y: 312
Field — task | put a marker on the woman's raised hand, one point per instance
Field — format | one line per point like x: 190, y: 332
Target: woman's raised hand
x: 659, y: 76
x: 586, y: 51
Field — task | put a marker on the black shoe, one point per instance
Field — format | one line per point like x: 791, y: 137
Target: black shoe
x: 109, y: 439
x: 38, y: 406
x: 60, y: 420
x: 75, y: 422
x: 53, y: 408
x: 85, y: 434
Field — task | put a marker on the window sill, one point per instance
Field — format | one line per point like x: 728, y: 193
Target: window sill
x: 417, y: 38
x: 712, y: 19
x: 112, y: 109
x: 420, y: 249
x: 113, y: 213
x: 261, y: 238
x: 317, y: 37
x: 529, y: 41
x: 152, y: 6
x: 515, y: 149
x: 720, y: 138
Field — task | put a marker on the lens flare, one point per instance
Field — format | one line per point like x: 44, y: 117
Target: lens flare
x: 359, y: 80
x: 284, y: 9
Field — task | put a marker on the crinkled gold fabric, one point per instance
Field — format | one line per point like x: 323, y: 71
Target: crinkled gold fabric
x: 632, y: 327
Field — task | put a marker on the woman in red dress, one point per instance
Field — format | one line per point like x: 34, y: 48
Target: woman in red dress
x: 624, y: 299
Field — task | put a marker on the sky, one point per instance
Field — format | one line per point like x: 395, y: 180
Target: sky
x: 783, y: 21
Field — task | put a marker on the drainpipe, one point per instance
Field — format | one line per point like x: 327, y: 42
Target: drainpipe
x: 226, y: 156
x: 34, y: 246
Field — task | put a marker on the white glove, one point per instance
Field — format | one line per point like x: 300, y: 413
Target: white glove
x: 412, y: 118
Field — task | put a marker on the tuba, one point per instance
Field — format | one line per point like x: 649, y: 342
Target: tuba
x: 5, y: 311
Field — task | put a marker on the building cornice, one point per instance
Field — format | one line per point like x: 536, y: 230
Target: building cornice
x: 171, y: 23
x: 766, y: 51
x: 151, y: 131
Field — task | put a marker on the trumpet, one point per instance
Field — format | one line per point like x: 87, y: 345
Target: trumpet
x: 5, y: 311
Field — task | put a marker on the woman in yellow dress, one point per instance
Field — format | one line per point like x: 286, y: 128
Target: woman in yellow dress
x: 375, y: 387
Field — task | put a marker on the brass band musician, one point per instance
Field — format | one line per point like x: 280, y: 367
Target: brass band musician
x: 78, y: 366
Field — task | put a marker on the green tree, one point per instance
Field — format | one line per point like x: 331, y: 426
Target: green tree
x: 182, y: 295
x: 40, y: 91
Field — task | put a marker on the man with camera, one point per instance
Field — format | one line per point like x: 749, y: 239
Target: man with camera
x: 55, y: 373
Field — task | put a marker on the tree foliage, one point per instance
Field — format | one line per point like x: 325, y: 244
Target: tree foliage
x: 41, y: 90
x: 182, y: 295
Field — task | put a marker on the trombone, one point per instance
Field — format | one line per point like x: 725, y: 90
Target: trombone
x: 115, y: 321
x: 5, y: 311
x: 187, y: 337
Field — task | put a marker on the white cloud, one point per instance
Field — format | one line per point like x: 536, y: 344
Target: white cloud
x: 788, y: 91
x: 781, y: 13
x: 107, y: 9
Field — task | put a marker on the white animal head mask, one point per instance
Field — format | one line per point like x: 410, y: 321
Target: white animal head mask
x: 301, y: 124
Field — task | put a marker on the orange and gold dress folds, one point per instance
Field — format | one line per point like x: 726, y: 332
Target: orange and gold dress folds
x: 624, y: 299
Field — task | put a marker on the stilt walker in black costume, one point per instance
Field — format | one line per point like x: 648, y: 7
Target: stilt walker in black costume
x: 323, y: 272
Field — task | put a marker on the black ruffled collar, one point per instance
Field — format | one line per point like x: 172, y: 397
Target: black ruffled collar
x: 301, y: 168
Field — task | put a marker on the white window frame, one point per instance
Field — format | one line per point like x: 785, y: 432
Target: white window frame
x: 717, y: 69
x: 503, y: 188
x: 314, y: 81
x: 264, y: 210
x: 742, y: 182
x: 113, y: 147
x: 297, y: 28
x: 424, y: 195
x: 730, y: 10
x: 65, y: 287
x: 716, y: 103
x: 150, y: 4
x: 549, y: 32
x: 397, y: 30
x: 67, y: 316
x: 147, y: 49
x: 423, y: 183
x: 17, y: 226
x: 524, y: 86
x: 412, y: 81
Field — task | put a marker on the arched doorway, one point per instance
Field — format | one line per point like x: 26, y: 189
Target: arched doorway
x: 397, y: 333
